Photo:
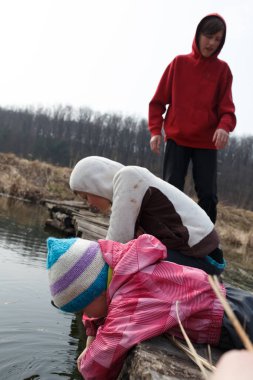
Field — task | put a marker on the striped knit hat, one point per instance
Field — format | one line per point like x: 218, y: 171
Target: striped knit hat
x: 77, y: 272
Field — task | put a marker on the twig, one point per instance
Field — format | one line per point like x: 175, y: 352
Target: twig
x: 194, y: 353
x: 209, y: 355
x: 231, y: 315
x: 188, y: 351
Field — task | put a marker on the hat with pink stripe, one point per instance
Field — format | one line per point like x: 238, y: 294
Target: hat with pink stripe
x: 77, y: 272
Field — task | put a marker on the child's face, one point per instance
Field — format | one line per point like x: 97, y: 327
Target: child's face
x: 95, y: 201
x: 208, y: 44
x: 97, y: 308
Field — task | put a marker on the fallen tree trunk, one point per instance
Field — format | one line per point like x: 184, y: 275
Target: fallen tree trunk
x: 154, y: 359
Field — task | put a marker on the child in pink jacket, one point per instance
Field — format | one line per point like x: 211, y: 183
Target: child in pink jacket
x: 134, y: 294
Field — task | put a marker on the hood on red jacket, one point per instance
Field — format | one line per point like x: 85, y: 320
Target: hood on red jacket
x: 195, y: 48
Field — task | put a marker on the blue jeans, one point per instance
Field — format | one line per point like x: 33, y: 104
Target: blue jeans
x: 213, y: 264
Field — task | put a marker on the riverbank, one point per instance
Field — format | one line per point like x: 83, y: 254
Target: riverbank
x: 33, y: 180
x: 157, y: 358
x: 36, y: 181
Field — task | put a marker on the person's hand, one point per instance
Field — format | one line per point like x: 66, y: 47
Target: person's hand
x: 220, y: 138
x: 155, y: 143
x: 234, y: 365
x: 79, y: 359
x: 88, y: 343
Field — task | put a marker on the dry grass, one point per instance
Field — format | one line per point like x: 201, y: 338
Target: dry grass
x: 235, y: 227
x: 192, y: 352
x: 35, y: 180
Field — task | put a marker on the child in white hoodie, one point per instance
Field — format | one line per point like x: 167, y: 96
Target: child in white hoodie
x: 143, y: 203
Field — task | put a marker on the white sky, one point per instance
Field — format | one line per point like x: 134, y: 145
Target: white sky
x: 110, y: 54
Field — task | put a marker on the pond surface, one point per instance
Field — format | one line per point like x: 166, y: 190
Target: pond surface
x: 36, y: 340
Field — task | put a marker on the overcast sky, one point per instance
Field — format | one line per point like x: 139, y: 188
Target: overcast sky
x: 110, y: 54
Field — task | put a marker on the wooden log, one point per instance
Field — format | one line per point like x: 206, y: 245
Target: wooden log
x: 159, y: 358
x: 150, y: 360
x: 88, y: 230
x: 57, y: 225
x: 68, y: 215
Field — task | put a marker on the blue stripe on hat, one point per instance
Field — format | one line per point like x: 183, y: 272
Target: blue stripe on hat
x: 86, y: 297
x: 56, y: 248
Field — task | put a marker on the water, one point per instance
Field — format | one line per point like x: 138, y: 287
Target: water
x: 36, y: 340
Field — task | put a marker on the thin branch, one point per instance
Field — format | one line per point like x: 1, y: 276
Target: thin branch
x: 194, y: 353
x: 209, y: 355
x: 188, y: 351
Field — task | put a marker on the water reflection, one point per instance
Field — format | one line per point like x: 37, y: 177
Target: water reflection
x: 36, y: 340
x: 21, y: 228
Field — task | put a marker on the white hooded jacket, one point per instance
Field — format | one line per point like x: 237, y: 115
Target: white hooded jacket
x: 141, y: 200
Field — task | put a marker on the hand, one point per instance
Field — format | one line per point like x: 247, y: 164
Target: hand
x: 234, y: 365
x: 88, y: 343
x: 79, y: 359
x: 220, y: 138
x: 155, y: 143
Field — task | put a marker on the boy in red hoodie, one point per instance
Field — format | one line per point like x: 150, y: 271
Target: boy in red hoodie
x: 197, y: 89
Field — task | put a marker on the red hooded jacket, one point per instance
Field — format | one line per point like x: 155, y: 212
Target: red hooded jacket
x: 198, y: 92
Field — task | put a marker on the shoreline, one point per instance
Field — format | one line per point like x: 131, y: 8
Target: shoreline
x: 36, y: 182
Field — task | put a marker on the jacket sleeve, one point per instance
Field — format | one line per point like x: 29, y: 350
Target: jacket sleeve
x: 91, y: 324
x: 128, y: 323
x: 227, y: 118
x: 162, y: 97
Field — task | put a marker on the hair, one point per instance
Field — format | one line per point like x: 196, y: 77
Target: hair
x: 211, y: 25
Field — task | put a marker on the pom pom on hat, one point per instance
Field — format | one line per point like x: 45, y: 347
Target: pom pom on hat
x: 77, y: 272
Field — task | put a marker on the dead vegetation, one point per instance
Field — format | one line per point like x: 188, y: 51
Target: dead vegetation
x: 35, y: 181
x: 235, y: 227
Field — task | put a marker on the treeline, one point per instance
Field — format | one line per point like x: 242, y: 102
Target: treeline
x: 64, y: 135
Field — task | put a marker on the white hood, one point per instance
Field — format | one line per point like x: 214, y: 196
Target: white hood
x: 95, y: 175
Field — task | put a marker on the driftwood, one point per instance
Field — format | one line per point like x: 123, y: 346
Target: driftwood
x: 157, y: 358
x: 75, y: 219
